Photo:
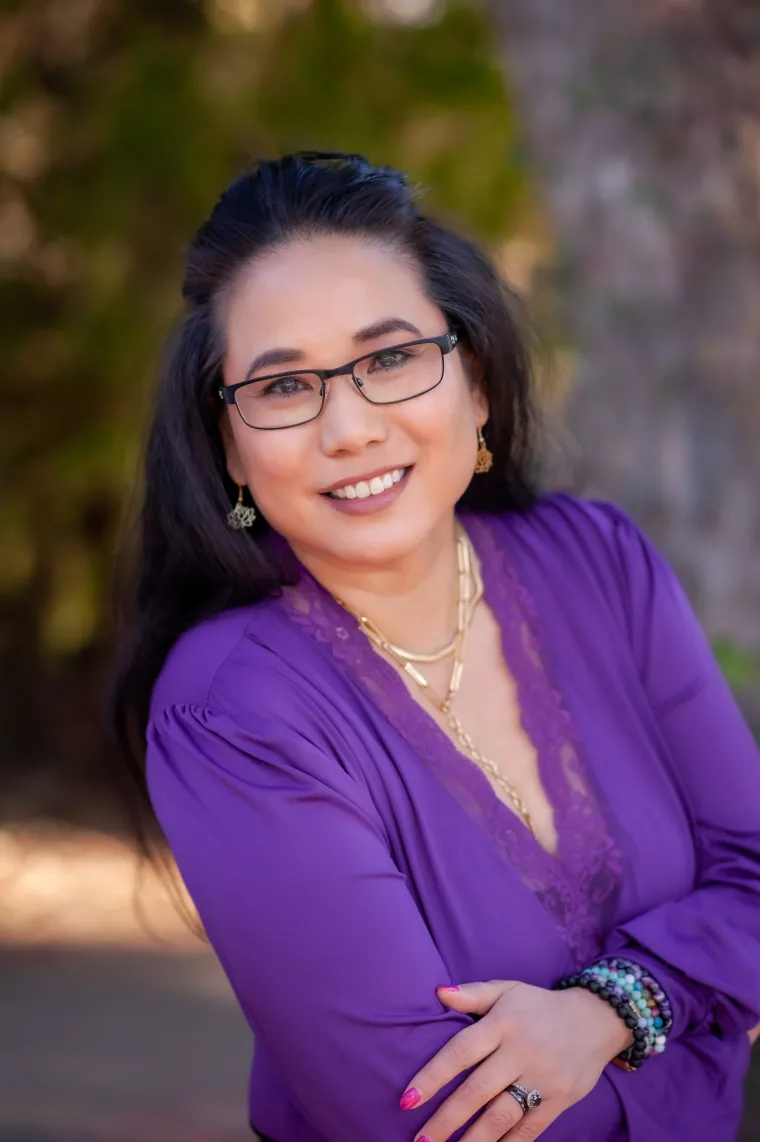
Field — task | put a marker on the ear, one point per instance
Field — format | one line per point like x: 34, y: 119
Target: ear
x: 475, y: 375
x: 482, y: 409
x: 235, y: 468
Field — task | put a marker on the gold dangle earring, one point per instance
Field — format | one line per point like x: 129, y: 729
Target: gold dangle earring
x: 484, y: 458
x: 241, y: 515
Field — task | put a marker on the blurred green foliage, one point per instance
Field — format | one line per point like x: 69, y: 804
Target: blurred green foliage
x: 740, y: 667
x: 120, y: 122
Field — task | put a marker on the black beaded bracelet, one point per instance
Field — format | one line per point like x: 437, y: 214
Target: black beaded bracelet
x: 636, y: 997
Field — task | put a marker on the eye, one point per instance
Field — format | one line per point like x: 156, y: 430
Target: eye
x: 388, y: 359
x: 286, y: 387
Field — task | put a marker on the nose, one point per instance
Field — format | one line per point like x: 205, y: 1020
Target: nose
x: 349, y: 423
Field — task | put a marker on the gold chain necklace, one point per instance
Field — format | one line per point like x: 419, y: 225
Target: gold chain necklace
x: 470, y: 594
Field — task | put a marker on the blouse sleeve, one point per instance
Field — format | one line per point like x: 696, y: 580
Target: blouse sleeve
x: 313, y: 923
x: 704, y: 948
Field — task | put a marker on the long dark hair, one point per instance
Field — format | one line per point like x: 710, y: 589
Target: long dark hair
x: 187, y: 564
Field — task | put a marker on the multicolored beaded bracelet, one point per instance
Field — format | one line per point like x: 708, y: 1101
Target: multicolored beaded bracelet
x: 637, y: 998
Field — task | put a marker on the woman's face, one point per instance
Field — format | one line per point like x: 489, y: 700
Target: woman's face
x: 318, y: 298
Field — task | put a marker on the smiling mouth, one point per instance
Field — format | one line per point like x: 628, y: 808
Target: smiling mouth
x: 363, y: 489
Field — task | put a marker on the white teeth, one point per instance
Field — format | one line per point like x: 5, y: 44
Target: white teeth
x: 365, y: 488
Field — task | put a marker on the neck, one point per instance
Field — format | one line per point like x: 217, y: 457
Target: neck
x: 412, y: 600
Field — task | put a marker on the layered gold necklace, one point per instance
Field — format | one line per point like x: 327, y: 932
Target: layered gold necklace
x: 469, y: 595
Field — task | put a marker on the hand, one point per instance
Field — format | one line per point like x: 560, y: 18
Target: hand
x: 556, y: 1041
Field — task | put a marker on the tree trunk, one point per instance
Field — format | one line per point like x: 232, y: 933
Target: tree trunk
x: 642, y: 120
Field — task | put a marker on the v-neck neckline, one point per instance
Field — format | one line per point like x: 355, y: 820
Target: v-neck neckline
x: 586, y: 861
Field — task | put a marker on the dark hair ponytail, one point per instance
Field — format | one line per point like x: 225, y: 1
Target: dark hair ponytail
x: 188, y: 564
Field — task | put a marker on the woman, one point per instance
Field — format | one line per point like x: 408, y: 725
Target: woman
x: 418, y: 726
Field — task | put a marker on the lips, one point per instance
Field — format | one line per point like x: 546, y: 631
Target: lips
x: 361, y: 499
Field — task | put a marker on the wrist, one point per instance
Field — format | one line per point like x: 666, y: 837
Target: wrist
x: 608, y: 1028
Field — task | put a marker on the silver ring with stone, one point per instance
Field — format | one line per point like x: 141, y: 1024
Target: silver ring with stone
x: 528, y: 1099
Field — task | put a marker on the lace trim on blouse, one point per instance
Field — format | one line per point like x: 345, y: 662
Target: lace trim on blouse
x: 576, y: 884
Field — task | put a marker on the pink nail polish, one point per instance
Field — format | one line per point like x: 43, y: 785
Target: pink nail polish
x: 410, y: 1098
x: 422, y: 1138
x: 448, y: 987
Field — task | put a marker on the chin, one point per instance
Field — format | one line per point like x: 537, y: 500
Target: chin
x: 385, y: 541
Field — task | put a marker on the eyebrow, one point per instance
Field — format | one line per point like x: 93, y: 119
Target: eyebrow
x: 379, y: 328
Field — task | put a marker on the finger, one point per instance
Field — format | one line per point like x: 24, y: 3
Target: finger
x: 476, y: 998
x: 464, y: 1050
x: 483, y: 1088
x: 533, y: 1122
x: 530, y: 1126
x: 498, y: 1121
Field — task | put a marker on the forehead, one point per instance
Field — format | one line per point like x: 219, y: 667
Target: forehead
x: 322, y: 289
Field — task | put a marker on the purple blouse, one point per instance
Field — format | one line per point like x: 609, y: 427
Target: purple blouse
x: 346, y: 859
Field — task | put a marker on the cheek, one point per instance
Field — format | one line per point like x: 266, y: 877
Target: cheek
x: 446, y: 416
x: 444, y: 430
x: 274, y: 461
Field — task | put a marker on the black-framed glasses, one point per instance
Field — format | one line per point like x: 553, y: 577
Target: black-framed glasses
x: 386, y: 376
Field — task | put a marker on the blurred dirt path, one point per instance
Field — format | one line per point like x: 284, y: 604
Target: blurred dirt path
x: 117, y: 1022
x: 109, y: 1046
